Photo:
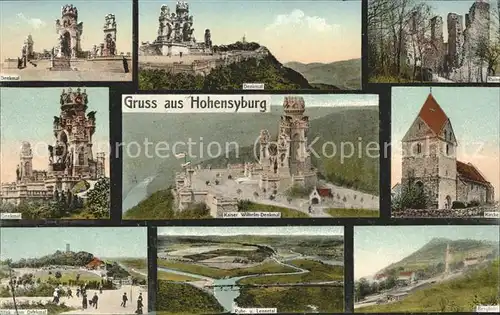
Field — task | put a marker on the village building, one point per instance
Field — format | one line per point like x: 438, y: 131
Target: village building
x: 430, y: 162
x: 71, y: 160
x: 96, y: 264
x: 406, y: 278
x: 471, y: 261
x: 319, y: 194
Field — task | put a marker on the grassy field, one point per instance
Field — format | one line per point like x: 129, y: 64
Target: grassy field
x: 268, y: 267
x: 318, y: 272
x: 353, y: 213
x: 457, y: 295
x: 164, y: 275
x: 285, y: 212
x: 294, y: 300
x: 136, y: 263
x: 68, y: 275
x: 180, y: 298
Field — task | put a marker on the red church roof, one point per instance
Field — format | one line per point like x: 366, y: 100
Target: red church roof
x: 433, y: 115
x: 405, y: 273
x: 470, y: 172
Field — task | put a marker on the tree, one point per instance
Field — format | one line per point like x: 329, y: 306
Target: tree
x: 412, y: 196
x: 58, y: 275
x: 362, y: 288
x: 98, y: 199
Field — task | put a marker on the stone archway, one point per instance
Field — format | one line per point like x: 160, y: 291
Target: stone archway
x: 315, y: 201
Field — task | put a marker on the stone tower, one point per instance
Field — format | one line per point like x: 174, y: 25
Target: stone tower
x: 293, y: 129
x: 455, y: 39
x: 26, y: 162
x: 72, y: 154
x: 69, y: 33
x: 109, y: 35
x: 429, y: 155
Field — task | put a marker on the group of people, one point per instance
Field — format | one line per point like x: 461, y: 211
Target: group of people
x: 81, y: 291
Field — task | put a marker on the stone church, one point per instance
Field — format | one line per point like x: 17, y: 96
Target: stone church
x: 429, y: 158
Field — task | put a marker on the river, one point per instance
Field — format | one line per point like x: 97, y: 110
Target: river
x: 227, y: 296
x: 137, y: 194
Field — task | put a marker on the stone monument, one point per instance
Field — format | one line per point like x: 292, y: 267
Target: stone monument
x: 109, y: 36
x: 175, y: 32
x: 69, y: 32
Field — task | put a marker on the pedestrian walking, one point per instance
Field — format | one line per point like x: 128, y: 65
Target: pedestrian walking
x: 124, y: 299
x: 84, y: 302
x: 78, y: 292
x: 70, y: 293
x: 94, y: 300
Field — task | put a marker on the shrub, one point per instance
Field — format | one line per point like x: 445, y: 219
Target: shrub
x: 457, y: 205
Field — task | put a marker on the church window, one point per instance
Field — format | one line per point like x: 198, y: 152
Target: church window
x: 447, y: 149
x: 419, y: 148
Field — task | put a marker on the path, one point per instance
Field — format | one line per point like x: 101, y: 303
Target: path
x: 109, y: 301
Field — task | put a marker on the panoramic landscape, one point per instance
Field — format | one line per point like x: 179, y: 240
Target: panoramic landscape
x: 310, y: 156
x: 74, y: 270
x: 59, y: 166
x: 234, y: 45
x: 421, y: 269
x: 207, y: 270
x: 433, y: 41
x: 445, y: 159
x: 60, y: 41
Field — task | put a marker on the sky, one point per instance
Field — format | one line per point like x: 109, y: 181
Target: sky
x: 442, y: 8
x: 233, y: 230
x: 303, y: 31
x: 36, y: 108
x: 474, y: 113
x: 376, y: 247
x: 103, y: 242
x: 18, y: 19
x: 326, y: 100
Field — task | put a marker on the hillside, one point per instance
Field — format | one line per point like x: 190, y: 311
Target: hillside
x: 264, y: 68
x: 344, y: 74
x: 58, y: 258
x: 477, y: 287
x: 433, y: 252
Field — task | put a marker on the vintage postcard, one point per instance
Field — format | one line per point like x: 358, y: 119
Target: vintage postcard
x: 242, y: 45
x: 445, y: 155
x: 59, y: 41
x: 77, y: 270
x: 433, y: 41
x: 292, y: 156
x: 424, y: 269
x: 55, y: 153
x: 250, y: 270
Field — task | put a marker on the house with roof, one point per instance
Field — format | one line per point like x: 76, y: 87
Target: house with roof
x: 406, y: 278
x: 381, y: 277
x: 430, y: 162
x: 318, y: 194
x: 96, y: 264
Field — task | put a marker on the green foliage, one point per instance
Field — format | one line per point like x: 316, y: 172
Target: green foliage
x: 116, y: 271
x: 412, y: 196
x: 98, y: 199
x: 160, y: 205
x: 231, y: 77
x: 297, y: 191
x: 59, y: 258
x: 185, y: 298
x: 458, y: 205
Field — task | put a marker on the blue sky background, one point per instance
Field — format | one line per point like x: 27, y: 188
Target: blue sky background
x: 231, y: 230
x: 27, y: 115
x: 376, y: 247
x: 474, y: 113
x: 102, y: 242
x: 305, y: 31
x: 18, y: 19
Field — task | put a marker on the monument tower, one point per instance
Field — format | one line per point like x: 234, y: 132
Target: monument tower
x: 109, y: 48
x: 26, y: 160
x: 175, y: 32
x: 69, y: 32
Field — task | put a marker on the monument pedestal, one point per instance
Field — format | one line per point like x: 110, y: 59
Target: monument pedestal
x: 173, y: 49
x: 60, y: 64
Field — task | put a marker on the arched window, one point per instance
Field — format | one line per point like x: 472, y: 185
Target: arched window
x: 447, y: 149
x: 419, y: 148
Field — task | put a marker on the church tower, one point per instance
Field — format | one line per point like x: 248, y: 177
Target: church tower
x: 429, y: 155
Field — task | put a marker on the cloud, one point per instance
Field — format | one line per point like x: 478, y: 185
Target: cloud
x: 33, y: 22
x: 297, y: 18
